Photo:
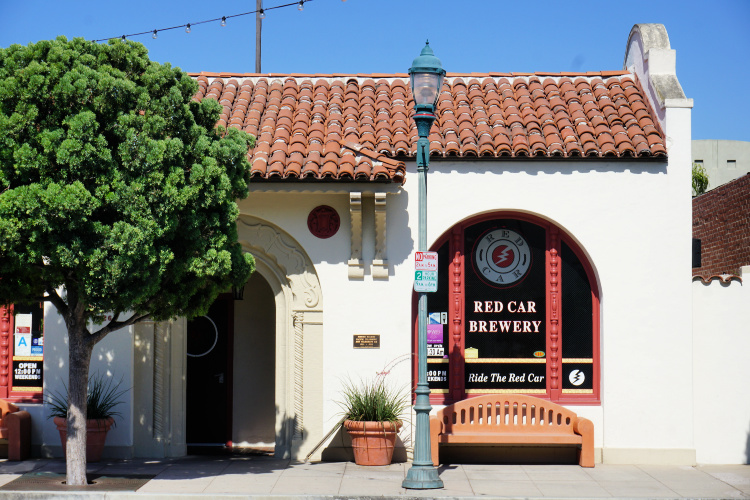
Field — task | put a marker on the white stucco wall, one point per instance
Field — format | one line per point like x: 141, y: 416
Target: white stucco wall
x: 632, y: 219
x: 721, y: 334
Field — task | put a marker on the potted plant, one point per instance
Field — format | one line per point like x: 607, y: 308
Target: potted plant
x: 372, y: 413
x: 103, y: 396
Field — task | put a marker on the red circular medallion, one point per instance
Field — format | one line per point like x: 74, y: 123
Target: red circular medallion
x: 323, y: 221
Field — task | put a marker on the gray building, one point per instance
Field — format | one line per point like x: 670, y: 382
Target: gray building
x: 724, y: 161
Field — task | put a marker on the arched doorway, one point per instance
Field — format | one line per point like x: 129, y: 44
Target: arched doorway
x: 230, y: 366
x: 297, y: 308
x: 254, y: 360
x: 297, y: 333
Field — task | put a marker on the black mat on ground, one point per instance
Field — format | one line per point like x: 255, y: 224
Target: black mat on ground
x: 53, y: 481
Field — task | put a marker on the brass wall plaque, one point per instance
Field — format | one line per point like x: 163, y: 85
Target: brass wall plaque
x: 367, y: 341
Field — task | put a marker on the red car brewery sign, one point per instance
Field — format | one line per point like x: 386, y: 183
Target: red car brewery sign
x: 505, y: 338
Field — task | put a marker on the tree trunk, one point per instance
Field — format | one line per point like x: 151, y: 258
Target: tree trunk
x: 79, y: 359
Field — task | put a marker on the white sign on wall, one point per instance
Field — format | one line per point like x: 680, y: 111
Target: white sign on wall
x: 22, y: 335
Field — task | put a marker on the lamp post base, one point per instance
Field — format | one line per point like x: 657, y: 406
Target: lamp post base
x: 422, y: 477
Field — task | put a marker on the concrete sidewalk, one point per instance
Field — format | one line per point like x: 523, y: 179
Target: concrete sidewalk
x: 257, y: 477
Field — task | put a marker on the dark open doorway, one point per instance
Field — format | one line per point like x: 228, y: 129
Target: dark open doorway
x: 209, y: 377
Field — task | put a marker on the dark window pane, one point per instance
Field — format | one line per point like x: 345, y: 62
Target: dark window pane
x: 577, y: 324
x: 577, y: 315
x: 505, y: 315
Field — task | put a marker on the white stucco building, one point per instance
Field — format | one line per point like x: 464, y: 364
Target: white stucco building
x: 577, y: 185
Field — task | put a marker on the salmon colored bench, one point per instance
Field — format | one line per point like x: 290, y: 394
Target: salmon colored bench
x: 511, y: 419
x: 15, y: 428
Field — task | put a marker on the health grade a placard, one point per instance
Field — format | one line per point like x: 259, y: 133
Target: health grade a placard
x: 425, y: 271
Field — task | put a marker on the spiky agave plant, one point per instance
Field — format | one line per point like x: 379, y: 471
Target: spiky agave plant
x: 103, y: 396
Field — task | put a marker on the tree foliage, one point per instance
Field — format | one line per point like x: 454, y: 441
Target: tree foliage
x: 700, y: 179
x: 113, y: 183
x: 117, y: 196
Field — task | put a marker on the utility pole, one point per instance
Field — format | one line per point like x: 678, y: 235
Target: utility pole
x: 258, y: 26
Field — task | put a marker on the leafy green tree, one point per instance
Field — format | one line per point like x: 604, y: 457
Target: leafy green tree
x: 700, y: 179
x: 117, y: 196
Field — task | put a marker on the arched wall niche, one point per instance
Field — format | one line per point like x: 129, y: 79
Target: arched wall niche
x: 284, y: 264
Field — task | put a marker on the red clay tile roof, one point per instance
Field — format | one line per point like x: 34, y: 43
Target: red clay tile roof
x: 356, y: 127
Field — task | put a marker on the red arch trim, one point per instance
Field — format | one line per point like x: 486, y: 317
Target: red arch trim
x: 454, y: 236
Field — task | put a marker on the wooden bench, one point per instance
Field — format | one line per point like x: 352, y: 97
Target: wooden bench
x: 15, y: 428
x: 511, y: 419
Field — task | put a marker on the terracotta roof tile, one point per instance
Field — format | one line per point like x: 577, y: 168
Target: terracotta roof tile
x: 352, y: 127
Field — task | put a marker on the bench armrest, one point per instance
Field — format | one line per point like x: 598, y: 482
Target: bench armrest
x: 18, y: 434
x: 436, y: 428
x: 585, y: 428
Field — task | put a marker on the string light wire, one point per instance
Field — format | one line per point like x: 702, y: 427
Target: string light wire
x: 223, y: 19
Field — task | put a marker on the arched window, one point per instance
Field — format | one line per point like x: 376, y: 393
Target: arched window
x: 516, y: 311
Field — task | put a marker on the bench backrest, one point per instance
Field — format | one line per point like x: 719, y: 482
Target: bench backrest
x: 506, y: 413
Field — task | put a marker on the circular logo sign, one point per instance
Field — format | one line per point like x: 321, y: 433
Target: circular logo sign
x: 323, y: 221
x: 502, y: 257
x: 576, y: 377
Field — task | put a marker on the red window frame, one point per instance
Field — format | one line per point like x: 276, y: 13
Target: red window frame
x: 7, y: 323
x: 456, y: 318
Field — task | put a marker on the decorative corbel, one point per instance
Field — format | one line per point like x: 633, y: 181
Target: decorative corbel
x: 380, y: 262
x: 356, y: 266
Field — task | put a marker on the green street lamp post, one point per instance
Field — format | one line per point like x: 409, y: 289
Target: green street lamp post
x: 426, y: 80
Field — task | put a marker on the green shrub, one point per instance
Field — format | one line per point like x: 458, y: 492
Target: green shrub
x: 372, y: 401
x: 700, y: 179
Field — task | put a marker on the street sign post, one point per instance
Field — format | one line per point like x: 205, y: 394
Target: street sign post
x: 425, y: 271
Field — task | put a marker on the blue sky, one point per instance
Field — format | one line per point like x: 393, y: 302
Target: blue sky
x: 712, y: 39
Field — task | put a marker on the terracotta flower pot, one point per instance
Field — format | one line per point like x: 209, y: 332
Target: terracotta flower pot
x: 373, y: 442
x: 96, y: 434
